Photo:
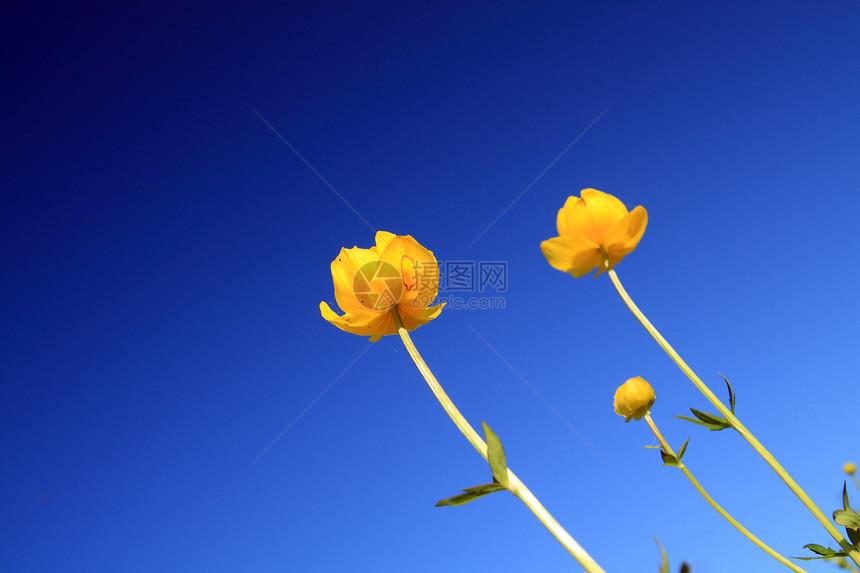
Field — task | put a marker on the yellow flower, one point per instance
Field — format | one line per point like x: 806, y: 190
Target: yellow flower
x: 634, y: 399
x: 592, y: 228
x: 368, y: 283
x: 850, y: 468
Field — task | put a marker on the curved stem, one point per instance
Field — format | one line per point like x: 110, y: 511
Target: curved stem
x: 668, y: 449
x: 517, y: 487
x: 736, y: 424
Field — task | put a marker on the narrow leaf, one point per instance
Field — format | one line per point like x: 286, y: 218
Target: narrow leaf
x: 710, y: 421
x: 845, y: 495
x: 664, y: 564
x: 496, y: 456
x: 695, y: 421
x: 713, y: 427
x: 683, y: 449
x: 709, y: 418
x: 461, y: 499
x: 731, y: 393
x: 825, y: 552
x: 486, y: 488
x: 471, y: 493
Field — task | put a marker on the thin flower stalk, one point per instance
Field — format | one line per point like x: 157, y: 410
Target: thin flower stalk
x: 730, y: 417
x: 681, y: 466
x: 517, y: 487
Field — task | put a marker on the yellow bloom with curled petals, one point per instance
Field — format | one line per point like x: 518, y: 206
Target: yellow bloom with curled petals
x: 368, y: 283
x: 591, y: 229
x: 634, y: 399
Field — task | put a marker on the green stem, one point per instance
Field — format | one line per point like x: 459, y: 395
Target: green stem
x: 736, y: 424
x: 517, y: 487
x: 668, y: 449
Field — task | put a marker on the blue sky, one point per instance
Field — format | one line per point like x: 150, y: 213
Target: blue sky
x: 165, y: 253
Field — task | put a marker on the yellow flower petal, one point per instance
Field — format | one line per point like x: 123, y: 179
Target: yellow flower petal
x: 623, y: 237
x: 572, y: 254
x: 345, y: 270
x: 364, y: 323
x: 413, y: 320
x: 419, y: 270
x: 606, y: 208
x: 382, y: 240
x: 574, y: 217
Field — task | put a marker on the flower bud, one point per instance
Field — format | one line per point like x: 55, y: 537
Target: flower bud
x: 634, y: 399
x: 850, y: 468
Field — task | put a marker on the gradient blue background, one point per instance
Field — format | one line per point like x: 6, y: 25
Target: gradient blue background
x: 164, y: 254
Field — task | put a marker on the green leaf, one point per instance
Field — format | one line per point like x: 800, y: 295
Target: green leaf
x: 683, y: 449
x: 731, y: 393
x: 710, y: 418
x: 852, y: 530
x: 471, y: 493
x: 668, y: 459
x: 496, y: 456
x: 823, y: 552
x: 456, y: 500
x: 695, y: 421
x: 664, y: 564
x: 847, y: 517
x: 853, y: 536
x: 710, y: 421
